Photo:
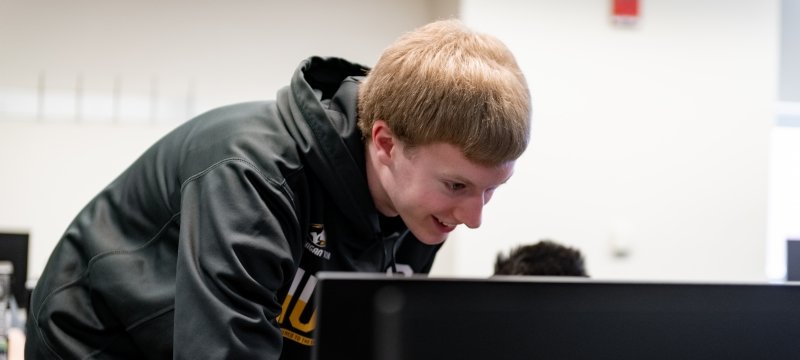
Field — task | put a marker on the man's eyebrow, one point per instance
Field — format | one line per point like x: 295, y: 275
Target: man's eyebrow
x: 457, y: 178
x: 463, y: 180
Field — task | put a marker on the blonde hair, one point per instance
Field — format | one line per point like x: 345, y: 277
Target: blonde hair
x: 445, y: 83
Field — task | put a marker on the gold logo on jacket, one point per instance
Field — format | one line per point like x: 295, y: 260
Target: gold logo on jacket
x: 317, y: 241
x: 299, y: 326
x: 317, y: 235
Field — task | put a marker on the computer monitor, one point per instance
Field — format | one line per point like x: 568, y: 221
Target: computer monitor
x: 793, y: 259
x: 376, y: 317
x: 14, y: 248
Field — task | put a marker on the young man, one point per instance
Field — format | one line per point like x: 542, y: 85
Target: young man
x: 208, y: 245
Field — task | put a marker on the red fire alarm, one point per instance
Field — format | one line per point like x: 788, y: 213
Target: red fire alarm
x: 625, y: 12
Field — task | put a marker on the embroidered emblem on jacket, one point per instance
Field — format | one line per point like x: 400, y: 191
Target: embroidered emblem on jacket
x: 317, y: 234
x: 317, y: 242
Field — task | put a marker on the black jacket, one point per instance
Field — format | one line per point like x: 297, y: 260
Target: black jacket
x: 206, y: 247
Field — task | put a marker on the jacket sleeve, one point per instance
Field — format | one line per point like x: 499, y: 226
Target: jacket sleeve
x: 234, y: 254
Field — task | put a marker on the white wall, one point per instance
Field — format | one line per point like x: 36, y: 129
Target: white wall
x: 87, y: 85
x: 656, y: 137
x: 789, y: 82
x: 784, y: 176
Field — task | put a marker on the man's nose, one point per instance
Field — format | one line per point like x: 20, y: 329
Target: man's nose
x: 470, y: 210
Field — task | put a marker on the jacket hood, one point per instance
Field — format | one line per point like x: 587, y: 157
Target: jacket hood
x: 319, y: 108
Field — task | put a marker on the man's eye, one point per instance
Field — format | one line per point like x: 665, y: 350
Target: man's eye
x: 454, y: 186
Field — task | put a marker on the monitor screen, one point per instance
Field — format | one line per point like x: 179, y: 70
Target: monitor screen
x: 14, y: 248
x: 376, y: 317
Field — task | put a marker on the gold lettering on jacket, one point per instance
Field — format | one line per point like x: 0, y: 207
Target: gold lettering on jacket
x: 297, y: 310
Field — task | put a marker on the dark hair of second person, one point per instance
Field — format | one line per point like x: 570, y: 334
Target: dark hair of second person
x: 545, y: 258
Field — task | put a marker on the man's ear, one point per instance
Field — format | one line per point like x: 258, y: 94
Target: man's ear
x: 383, y: 141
